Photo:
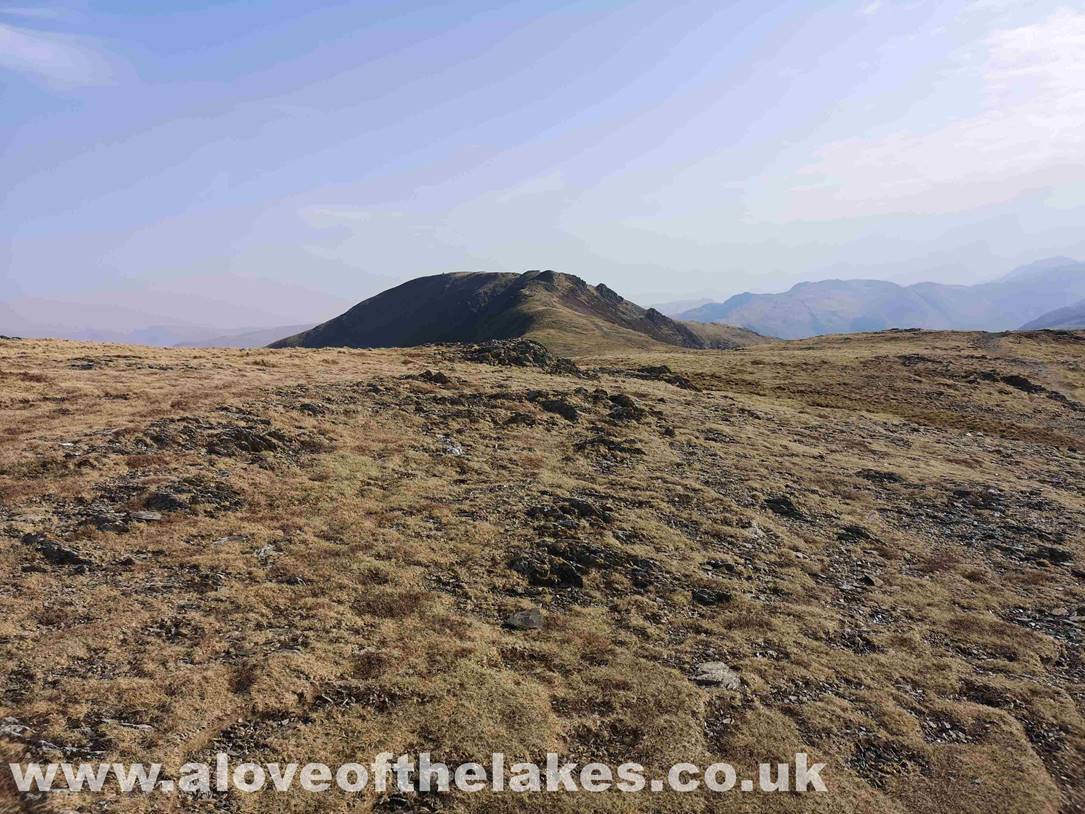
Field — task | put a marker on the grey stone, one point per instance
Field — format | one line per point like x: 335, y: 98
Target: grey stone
x: 230, y: 538
x: 530, y: 619
x: 717, y: 674
x: 450, y: 447
x: 55, y: 552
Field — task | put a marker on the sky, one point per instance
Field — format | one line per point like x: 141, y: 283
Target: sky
x: 251, y: 162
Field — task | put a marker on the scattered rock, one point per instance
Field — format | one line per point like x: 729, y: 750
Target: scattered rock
x: 560, y: 407
x: 11, y: 728
x: 878, y: 476
x: 711, y: 596
x: 231, y: 440
x: 230, y: 538
x: 1053, y: 554
x: 530, y: 619
x: 726, y: 566
x: 104, y: 518
x: 785, y: 507
x: 718, y: 674
x: 625, y: 409
x: 165, y: 502
x: 450, y: 447
x: 562, y: 564
x: 755, y: 531
x: 572, y: 509
x: 434, y: 377
x: 57, y: 553
x: 662, y: 373
x: 242, y: 433
x: 521, y: 353
x: 520, y: 419
x: 545, y: 571
x: 147, y: 517
x: 880, y: 761
x: 127, y: 725
x: 853, y: 534
x: 1014, y: 380
x: 1018, y: 382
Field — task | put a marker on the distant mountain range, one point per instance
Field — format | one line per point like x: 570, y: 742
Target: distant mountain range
x: 61, y: 326
x: 255, y: 338
x: 208, y: 310
x: 164, y: 336
x: 1069, y: 318
x: 559, y: 310
x: 59, y: 320
x: 568, y: 315
x: 848, y: 306
x: 676, y: 307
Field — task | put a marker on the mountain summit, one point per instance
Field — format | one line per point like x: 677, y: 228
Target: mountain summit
x: 559, y: 310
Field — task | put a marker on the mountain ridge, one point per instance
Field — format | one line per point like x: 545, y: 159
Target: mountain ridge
x: 559, y: 310
x: 1072, y: 317
x: 850, y: 306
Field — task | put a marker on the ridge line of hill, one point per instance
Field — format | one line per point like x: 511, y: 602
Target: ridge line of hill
x: 561, y: 311
x: 849, y: 306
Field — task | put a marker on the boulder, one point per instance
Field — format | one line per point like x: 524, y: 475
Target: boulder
x: 717, y: 674
x: 530, y: 619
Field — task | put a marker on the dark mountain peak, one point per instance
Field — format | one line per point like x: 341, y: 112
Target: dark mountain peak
x: 611, y: 295
x: 560, y: 310
x: 551, y: 277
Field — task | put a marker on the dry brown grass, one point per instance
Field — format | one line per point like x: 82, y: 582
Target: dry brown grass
x: 341, y: 591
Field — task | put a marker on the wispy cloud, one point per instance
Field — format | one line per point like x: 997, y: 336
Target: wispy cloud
x: 1030, y: 81
x: 59, y: 60
x: 54, y: 14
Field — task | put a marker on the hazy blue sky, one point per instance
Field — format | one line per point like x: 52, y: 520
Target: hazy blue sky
x: 262, y: 150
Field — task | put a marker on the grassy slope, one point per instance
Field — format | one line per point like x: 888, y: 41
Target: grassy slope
x: 342, y: 592
x: 571, y: 332
x: 724, y: 337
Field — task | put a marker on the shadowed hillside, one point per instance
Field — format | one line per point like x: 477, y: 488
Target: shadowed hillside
x: 559, y: 310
